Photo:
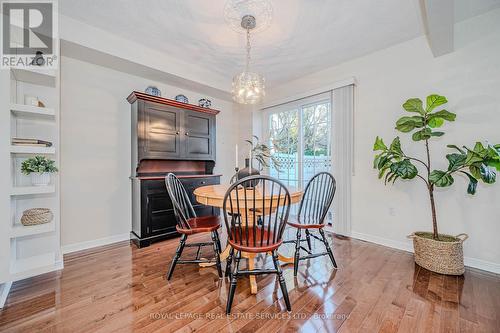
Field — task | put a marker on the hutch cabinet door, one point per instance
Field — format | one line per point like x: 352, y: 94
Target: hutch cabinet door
x: 159, y: 218
x: 162, y: 132
x: 199, y: 132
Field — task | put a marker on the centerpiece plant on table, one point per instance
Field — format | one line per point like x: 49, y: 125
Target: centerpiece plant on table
x: 263, y: 154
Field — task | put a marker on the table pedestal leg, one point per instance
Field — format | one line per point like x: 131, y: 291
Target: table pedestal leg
x: 282, y: 258
x: 223, y: 257
x: 225, y: 253
x: 251, y: 266
x: 286, y: 260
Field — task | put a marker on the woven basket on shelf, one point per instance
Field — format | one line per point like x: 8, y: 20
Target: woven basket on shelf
x: 444, y: 257
x: 35, y: 216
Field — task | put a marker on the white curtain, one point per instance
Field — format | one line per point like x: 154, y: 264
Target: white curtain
x: 342, y: 166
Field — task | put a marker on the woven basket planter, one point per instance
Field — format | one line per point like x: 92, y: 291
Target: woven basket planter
x: 36, y: 216
x: 444, y: 257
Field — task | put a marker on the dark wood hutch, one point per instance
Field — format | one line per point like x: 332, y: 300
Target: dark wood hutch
x: 168, y: 136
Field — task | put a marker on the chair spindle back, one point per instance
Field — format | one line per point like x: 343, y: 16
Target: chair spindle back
x: 245, y: 204
x: 317, y: 198
x: 183, y: 209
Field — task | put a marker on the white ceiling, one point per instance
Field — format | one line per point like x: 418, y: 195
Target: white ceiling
x: 304, y: 36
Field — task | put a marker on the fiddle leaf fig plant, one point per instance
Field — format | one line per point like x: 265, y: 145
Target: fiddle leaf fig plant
x: 479, y: 163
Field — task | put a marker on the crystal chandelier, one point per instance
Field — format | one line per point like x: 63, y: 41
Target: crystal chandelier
x: 248, y: 87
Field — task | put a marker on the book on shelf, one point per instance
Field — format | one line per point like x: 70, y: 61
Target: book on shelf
x: 30, y: 142
x: 30, y: 145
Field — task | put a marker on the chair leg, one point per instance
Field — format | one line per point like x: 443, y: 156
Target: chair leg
x: 215, y: 240
x: 178, y: 253
x: 281, y: 280
x: 308, y: 238
x: 218, y: 243
x: 234, y: 280
x: 328, y: 249
x: 229, y: 260
x: 297, y: 254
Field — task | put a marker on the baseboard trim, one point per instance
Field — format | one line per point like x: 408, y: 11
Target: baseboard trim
x: 405, y: 246
x: 408, y: 247
x: 59, y: 265
x: 482, y: 264
x: 94, y: 243
x: 4, y: 293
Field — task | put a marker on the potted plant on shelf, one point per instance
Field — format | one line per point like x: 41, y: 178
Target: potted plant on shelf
x: 434, y: 251
x: 40, y: 168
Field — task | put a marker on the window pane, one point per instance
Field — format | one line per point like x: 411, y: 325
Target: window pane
x: 316, y: 137
x: 284, y: 136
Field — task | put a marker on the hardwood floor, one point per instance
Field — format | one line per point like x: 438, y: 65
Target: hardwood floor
x: 120, y: 288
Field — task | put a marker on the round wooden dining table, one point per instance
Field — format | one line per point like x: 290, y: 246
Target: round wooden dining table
x: 213, y: 195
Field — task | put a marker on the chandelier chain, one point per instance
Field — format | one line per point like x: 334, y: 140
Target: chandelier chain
x: 248, y: 87
x: 249, y: 47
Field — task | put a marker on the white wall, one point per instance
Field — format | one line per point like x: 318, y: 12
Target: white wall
x: 95, y: 148
x: 470, y: 79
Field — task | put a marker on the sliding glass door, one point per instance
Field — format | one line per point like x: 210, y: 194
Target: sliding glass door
x: 284, y: 141
x: 300, y: 137
x: 311, y: 135
x: 315, y: 140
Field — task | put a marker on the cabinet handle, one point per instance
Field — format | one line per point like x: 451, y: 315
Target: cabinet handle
x: 177, y: 133
x: 187, y: 133
x: 203, y: 182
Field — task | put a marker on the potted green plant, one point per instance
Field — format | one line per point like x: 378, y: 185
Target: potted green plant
x: 437, y: 252
x: 40, y: 168
x: 262, y: 154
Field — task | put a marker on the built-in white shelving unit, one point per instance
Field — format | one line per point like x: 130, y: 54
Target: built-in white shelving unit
x: 32, y: 112
x: 43, y: 77
x: 32, y: 190
x: 26, y: 251
x: 32, y: 150
x: 32, y: 266
x: 23, y: 231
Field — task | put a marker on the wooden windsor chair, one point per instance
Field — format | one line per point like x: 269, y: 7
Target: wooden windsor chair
x: 188, y: 224
x: 243, y: 205
x: 317, y: 199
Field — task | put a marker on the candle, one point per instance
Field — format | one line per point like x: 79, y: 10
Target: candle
x: 236, y: 158
x: 250, y: 157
